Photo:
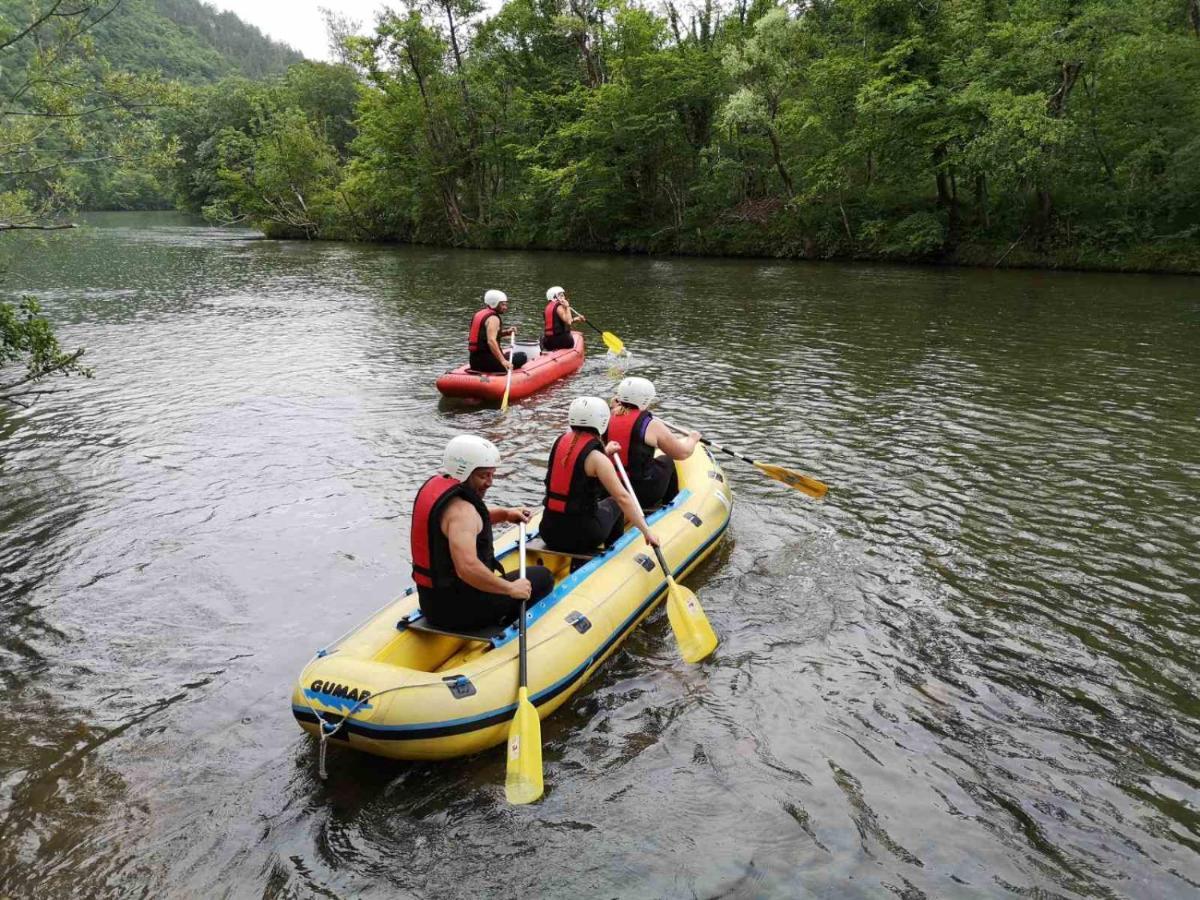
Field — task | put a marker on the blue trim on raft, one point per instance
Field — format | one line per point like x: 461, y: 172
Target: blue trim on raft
x: 495, y: 717
x: 572, y: 581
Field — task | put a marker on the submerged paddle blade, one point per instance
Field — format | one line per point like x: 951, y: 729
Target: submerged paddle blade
x: 694, y: 635
x: 812, y: 487
x: 523, y: 783
x: 612, y: 342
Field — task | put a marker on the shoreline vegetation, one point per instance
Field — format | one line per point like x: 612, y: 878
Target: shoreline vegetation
x: 1016, y: 133
x: 1060, y: 134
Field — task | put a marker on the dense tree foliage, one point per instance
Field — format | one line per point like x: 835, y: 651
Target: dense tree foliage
x: 1065, y: 129
x: 83, y: 85
x: 123, y: 53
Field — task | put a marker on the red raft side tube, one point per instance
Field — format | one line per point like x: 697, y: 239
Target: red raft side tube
x: 533, y: 376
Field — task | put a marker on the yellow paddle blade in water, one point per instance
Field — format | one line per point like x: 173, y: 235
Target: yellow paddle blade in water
x: 523, y: 783
x: 694, y: 635
x: 792, y: 478
x: 612, y: 342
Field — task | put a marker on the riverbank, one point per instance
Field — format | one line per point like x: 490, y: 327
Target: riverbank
x: 1175, y: 256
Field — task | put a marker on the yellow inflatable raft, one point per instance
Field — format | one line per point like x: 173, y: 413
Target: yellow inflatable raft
x: 396, y: 687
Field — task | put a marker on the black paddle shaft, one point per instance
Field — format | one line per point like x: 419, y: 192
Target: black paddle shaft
x: 588, y: 321
x: 662, y: 562
x: 707, y: 443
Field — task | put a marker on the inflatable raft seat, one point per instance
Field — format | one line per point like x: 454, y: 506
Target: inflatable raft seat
x: 494, y: 635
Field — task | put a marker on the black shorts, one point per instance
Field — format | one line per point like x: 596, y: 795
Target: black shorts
x: 658, y: 484
x: 483, y: 361
x: 583, y: 534
x: 468, y: 609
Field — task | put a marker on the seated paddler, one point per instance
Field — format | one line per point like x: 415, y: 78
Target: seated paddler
x: 459, y: 583
x: 637, y: 434
x: 483, y: 340
x: 557, y: 319
x: 586, y: 504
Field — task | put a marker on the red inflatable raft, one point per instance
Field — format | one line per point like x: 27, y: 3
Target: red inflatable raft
x: 533, y: 376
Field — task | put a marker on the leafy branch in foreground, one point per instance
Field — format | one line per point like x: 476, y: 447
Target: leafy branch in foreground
x: 27, y: 336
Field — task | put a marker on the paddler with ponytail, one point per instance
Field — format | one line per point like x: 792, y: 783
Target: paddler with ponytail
x: 557, y: 319
x: 483, y: 339
x: 579, y: 517
x: 637, y: 434
x: 454, y: 563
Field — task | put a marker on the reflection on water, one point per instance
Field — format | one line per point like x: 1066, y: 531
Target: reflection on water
x: 971, y: 671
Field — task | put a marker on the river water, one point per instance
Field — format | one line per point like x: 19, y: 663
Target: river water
x: 972, y: 671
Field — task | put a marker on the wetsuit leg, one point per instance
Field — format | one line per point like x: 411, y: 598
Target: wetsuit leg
x: 483, y: 361
x: 610, y: 521
x: 653, y: 489
x: 541, y: 580
x: 576, y: 534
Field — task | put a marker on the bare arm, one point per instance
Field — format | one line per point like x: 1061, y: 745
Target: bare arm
x: 598, y: 466
x: 461, y: 526
x: 493, y: 332
x: 660, y: 436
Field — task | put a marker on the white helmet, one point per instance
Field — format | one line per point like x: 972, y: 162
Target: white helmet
x: 635, y: 391
x: 466, y: 453
x: 588, y: 412
x: 553, y: 292
x: 494, y: 298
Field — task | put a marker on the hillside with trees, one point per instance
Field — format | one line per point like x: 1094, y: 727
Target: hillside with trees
x: 1054, y: 132
x: 184, y: 42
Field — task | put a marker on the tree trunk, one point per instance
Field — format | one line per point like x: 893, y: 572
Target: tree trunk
x: 454, y: 216
x: 777, y: 153
x: 981, y: 199
x: 595, y: 75
x: 947, y: 191
x: 1056, y: 106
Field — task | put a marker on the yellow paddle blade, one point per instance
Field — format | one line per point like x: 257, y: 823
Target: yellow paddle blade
x: 792, y: 478
x: 694, y: 635
x: 504, y: 402
x: 523, y: 783
x: 612, y: 342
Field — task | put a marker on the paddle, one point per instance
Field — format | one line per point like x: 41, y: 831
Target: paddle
x: 790, y: 477
x: 611, y: 341
x: 523, y: 783
x: 694, y: 635
x: 508, y: 379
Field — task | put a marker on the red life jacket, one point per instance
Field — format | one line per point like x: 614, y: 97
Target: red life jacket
x: 432, y: 566
x: 629, y: 430
x: 553, y: 324
x: 569, y: 489
x: 477, y: 337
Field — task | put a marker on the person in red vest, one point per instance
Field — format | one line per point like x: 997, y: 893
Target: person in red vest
x: 557, y: 319
x: 483, y: 340
x: 638, y: 434
x: 585, y: 504
x: 453, y: 560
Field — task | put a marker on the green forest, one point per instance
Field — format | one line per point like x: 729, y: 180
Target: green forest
x: 1014, y: 132
x: 1060, y: 132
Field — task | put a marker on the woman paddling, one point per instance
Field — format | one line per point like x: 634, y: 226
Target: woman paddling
x: 579, y: 517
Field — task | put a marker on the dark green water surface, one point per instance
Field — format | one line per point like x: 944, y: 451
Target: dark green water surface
x: 971, y: 672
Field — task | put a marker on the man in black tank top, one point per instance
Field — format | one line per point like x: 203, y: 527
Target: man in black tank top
x: 452, y: 550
